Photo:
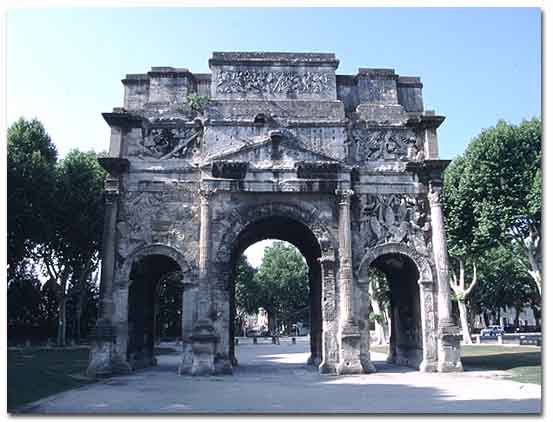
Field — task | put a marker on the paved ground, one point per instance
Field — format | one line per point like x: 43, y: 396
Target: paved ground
x: 274, y: 378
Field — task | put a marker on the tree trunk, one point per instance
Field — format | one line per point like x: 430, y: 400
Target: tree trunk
x: 535, y: 272
x: 470, y: 318
x: 270, y: 323
x: 79, y: 313
x: 517, y: 317
x: 537, y: 316
x: 532, y: 249
x: 62, y: 322
x: 464, y: 323
x: 388, y: 327
x: 379, y: 329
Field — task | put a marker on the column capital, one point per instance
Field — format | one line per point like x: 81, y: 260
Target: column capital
x: 111, y: 189
x: 344, y: 196
x: 434, y: 192
x: 205, y: 195
x: 111, y: 197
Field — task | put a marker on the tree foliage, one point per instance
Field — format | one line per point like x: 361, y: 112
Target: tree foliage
x: 504, y: 283
x: 31, y: 160
x: 71, y: 251
x: 169, y: 305
x: 280, y: 285
x: 492, y: 194
x: 247, y: 291
x: 284, y: 282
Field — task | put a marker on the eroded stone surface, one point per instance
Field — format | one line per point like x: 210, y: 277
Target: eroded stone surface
x: 275, y: 145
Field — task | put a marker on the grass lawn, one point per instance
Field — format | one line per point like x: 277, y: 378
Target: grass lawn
x: 37, y: 373
x: 523, y: 364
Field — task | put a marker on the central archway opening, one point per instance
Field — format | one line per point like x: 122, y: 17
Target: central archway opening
x: 300, y: 236
x: 400, y: 275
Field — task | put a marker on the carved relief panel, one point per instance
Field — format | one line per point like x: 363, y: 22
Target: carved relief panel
x: 397, y: 218
x: 369, y: 144
x: 166, y: 142
x: 167, y: 216
x: 272, y: 83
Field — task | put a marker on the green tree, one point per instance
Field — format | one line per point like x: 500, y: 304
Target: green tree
x: 379, y: 295
x: 168, y: 306
x: 504, y: 283
x: 71, y: 250
x: 247, y: 291
x: 491, y: 199
x: 284, y: 283
x: 492, y: 194
x: 31, y: 160
x: 25, y: 301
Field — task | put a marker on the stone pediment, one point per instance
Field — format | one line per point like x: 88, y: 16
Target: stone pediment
x: 277, y: 149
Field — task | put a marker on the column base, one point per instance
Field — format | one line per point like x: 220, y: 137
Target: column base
x: 314, y: 360
x: 368, y: 366
x: 349, y: 367
x: 350, y: 353
x: 223, y: 365
x: 142, y: 360
x: 449, y: 349
x: 104, y: 360
x: 203, y: 340
x: 327, y: 368
x: 185, y: 367
x: 428, y: 366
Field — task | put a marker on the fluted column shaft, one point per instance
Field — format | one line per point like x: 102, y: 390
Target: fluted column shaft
x: 204, y: 249
x: 346, y: 273
x: 111, y: 197
x: 439, y: 249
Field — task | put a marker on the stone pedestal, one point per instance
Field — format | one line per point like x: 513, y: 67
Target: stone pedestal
x: 367, y: 365
x: 185, y: 366
x: 101, y: 354
x: 449, y: 349
x: 223, y: 365
x: 203, y: 349
x: 350, y: 362
x: 104, y: 359
x: 314, y: 360
x: 428, y: 366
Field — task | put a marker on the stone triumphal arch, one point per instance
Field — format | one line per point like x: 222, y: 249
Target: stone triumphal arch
x: 274, y: 145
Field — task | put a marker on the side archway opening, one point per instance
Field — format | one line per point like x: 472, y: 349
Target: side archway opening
x: 154, y: 307
x: 403, y: 301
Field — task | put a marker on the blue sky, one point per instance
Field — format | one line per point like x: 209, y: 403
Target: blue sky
x: 478, y: 65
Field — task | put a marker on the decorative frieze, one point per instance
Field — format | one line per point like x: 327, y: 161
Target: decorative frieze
x: 272, y: 82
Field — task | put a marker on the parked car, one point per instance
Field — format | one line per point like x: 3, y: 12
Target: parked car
x: 492, y: 330
x: 252, y: 333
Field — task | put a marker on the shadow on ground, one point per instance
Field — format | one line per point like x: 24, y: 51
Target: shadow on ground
x: 276, y: 379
